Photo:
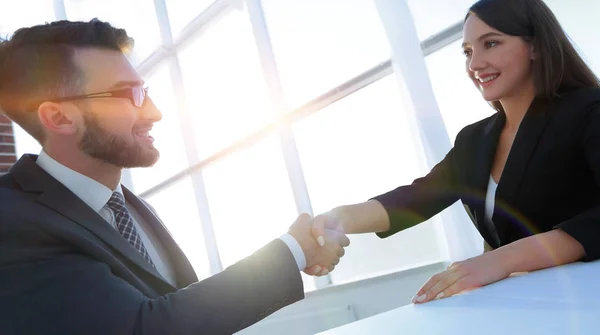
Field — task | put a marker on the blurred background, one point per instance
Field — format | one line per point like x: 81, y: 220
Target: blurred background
x: 272, y: 108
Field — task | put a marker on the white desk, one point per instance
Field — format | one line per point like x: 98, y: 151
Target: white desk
x: 562, y: 300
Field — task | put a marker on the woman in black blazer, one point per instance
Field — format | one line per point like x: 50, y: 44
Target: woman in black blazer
x: 541, y: 149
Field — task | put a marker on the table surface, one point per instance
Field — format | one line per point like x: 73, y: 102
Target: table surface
x: 560, y: 300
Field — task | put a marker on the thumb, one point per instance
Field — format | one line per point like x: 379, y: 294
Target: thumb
x: 318, y: 229
x: 332, y: 222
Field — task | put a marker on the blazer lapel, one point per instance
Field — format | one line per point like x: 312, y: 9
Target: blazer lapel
x: 185, y: 272
x: 57, y: 197
x: 526, y: 141
x: 485, y: 150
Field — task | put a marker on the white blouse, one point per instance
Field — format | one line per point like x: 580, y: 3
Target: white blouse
x: 490, y: 198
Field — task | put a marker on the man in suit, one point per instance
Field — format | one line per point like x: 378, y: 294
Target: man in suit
x: 79, y: 253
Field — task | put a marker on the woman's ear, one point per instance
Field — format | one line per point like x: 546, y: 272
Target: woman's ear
x: 533, y: 54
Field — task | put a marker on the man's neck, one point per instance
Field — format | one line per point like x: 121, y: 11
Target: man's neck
x: 102, y: 172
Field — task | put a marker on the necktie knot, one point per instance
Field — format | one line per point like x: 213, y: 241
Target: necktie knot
x: 117, y: 202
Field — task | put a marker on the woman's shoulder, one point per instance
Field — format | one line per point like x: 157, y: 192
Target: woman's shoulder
x: 579, y: 98
x: 480, y: 127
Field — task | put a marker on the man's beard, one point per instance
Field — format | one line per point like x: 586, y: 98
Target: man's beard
x: 104, y: 146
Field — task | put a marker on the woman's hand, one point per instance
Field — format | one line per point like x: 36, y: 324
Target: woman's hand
x: 532, y: 253
x: 463, y: 276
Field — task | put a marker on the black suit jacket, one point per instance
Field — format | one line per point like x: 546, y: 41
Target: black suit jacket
x: 64, y: 270
x: 551, y: 178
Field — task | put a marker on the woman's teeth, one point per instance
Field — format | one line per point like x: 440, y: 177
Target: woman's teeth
x: 488, y: 79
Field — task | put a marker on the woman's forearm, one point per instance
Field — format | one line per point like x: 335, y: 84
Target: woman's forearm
x: 365, y: 217
x: 540, y: 251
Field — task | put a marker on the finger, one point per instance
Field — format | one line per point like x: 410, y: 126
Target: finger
x: 462, y: 285
x: 336, y: 261
x: 341, y: 252
x: 337, y: 237
x: 331, y: 268
x: 453, y: 265
x: 420, y: 296
x: 333, y: 222
x: 313, y: 270
x: 438, y: 290
x: 344, y: 240
x: 318, y: 229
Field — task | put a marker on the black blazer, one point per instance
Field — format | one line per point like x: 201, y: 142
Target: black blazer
x: 551, y: 178
x: 64, y: 270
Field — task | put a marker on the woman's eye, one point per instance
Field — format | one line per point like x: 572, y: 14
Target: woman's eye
x: 490, y: 44
x: 467, y: 52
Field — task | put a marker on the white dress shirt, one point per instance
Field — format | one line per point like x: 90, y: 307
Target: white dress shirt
x: 96, y: 195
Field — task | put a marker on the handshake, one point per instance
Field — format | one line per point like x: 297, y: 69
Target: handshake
x: 322, y: 240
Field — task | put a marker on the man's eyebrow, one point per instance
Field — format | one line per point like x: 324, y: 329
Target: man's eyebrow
x: 127, y: 83
x: 486, y: 35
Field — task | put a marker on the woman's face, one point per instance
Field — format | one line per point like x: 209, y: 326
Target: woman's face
x: 498, y: 64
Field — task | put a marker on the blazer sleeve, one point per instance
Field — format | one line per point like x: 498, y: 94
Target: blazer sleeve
x: 54, y: 289
x: 412, y: 204
x: 585, y: 227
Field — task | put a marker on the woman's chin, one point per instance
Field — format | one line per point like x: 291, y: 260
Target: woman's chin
x: 490, y: 96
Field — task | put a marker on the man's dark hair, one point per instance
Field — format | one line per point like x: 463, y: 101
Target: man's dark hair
x: 37, y: 63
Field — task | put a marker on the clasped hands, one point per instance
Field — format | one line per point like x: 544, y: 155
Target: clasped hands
x: 322, y: 240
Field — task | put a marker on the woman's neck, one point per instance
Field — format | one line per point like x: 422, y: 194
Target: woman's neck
x: 516, y: 106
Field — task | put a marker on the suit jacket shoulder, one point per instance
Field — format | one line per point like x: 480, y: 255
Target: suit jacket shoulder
x: 86, y: 279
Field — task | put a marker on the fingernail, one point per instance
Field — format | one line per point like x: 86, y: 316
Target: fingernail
x: 414, y: 299
x: 324, y: 272
x: 422, y: 297
x: 321, y: 240
x: 440, y: 295
x: 317, y: 269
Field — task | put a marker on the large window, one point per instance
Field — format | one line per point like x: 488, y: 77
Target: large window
x: 355, y: 149
x: 224, y: 85
x: 458, y: 98
x: 347, y: 136
x: 215, y: 96
x: 250, y: 199
x: 167, y: 134
x: 579, y: 18
x: 19, y: 14
x: 182, y: 12
x: 433, y: 16
x: 319, y: 44
x: 176, y: 206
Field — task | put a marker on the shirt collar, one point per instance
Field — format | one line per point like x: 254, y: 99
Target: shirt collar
x: 93, y: 193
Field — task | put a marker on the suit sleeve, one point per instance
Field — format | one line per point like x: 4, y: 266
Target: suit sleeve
x: 227, y: 302
x: 412, y: 204
x: 585, y: 227
x: 48, y: 286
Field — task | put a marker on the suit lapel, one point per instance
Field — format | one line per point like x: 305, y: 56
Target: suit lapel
x: 526, y: 141
x: 185, y: 271
x: 485, y: 150
x: 57, y: 197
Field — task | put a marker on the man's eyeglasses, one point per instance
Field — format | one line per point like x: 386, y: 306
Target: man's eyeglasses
x: 137, y: 95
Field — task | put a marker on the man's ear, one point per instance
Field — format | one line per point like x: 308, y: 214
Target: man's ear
x: 57, y: 118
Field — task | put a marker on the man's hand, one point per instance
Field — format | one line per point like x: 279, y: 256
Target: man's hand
x: 326, y: 254
x: 320, y: 226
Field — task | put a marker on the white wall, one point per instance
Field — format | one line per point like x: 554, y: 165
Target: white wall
x: 320, y: 310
